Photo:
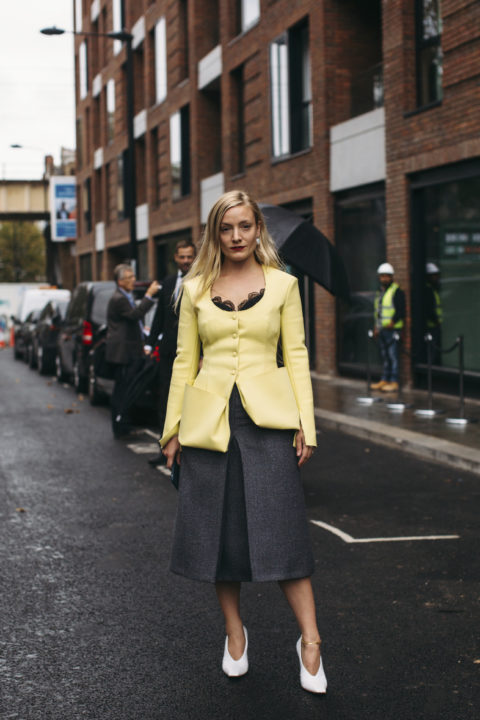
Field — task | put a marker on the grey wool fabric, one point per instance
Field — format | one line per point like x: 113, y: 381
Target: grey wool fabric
x: 241, y: 514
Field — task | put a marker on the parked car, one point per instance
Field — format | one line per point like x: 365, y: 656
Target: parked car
x: 23, y: 336
x: 85, y: 317
x: 45, y: 336
x: 100, y: 375
x: 32, y: 299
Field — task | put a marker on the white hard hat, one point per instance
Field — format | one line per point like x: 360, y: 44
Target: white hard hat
x: 431, y: 269
x: 385, y: 269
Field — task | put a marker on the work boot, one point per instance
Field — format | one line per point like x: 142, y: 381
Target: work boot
x: 390, y: 387
x: 378, y: 385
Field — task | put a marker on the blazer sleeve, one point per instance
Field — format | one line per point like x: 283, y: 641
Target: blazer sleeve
x: 158, y: 321
x: 185, y: 367
x: 124, y: 311
x: 295, y: 357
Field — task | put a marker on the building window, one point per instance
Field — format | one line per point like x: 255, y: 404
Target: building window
x: 249, y: 13
x: 79, y: 133
x: 83, y: 69
x: 78, y: 15
x: 97, y: 139
x: 118, y: 22
x: 290, y: 89
x: 121, y: 186
x: 87, y: 206
x: 360, y: 241
x: 237, y: 119
x: 110, y: 105
x: 446, y: 232
x: 160, y: 40
x: 180, y: 152
x: 429, y: 51
x: 85, y: 262
x: 154, y: 168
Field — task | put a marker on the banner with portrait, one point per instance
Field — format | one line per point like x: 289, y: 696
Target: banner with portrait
x: 63, y: 207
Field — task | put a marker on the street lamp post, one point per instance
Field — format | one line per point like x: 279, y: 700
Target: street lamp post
x: 131, y: 182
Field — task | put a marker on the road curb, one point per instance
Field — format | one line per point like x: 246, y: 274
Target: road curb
x: 424, y: 446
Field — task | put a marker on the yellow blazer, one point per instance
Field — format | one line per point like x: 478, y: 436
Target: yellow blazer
x: 240, y: 347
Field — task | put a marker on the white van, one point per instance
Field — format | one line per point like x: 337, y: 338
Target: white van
x: 37, y: 298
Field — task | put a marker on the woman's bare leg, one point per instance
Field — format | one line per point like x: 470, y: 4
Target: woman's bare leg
x: 299, y: 594
x: 228, y: 594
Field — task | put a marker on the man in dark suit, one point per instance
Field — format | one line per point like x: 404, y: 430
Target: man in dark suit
x: 124, y: 346
x: 164, y: 329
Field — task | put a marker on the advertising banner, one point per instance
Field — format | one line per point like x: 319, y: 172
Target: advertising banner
x: 63, y: 204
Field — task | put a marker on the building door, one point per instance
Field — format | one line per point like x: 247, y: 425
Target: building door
x: 360, y: 241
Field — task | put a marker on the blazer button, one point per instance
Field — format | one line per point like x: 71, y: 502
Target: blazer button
x: 234, y: 354
x: 233, y: 372
x: 234, y: 335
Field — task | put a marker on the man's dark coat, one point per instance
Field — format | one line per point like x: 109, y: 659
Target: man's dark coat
x: 124, y: 335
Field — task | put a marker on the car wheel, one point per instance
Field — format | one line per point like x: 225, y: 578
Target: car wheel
x: 59, y: 369
x: 79, y: 382
x: 32, y: 359
x: 43, y: 364
x: 95, y: 396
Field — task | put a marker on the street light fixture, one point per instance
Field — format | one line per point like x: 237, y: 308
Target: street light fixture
x: 131, y: 193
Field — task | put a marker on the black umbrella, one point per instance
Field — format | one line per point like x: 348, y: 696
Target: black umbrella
x: 304, y: 246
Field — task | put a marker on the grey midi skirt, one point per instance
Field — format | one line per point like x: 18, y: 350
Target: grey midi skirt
x: 241, y: 514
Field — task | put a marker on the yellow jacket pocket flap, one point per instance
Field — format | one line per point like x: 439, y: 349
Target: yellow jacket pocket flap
x: 270, y: 401
x: 204, y: 421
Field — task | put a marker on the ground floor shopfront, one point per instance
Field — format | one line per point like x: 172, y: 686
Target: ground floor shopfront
x: 443, y: 228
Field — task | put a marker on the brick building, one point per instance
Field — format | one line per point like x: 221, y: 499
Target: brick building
x: 361, y: 116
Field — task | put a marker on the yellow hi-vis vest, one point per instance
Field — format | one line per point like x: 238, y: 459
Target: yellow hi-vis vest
x: 385, y: 309
x: 438, y: 309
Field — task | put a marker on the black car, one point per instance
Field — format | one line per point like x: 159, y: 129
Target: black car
x: 85, y: 318
x: 45, y: 336
x: 24, y: 335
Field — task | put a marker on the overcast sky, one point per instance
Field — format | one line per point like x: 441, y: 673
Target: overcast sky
x: 37, y: 104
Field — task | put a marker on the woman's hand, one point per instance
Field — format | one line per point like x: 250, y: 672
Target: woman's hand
x: 172, y: 450
x: 304, y: 452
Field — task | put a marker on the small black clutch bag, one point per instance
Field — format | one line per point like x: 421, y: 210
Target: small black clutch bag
x: 175, y: 474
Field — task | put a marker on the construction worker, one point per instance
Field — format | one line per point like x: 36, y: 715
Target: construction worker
x: 389, y: 321
x: 433, y: 310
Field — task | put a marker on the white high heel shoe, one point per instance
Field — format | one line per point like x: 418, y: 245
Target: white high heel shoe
x: 235, y: 668
x: 313, y: 683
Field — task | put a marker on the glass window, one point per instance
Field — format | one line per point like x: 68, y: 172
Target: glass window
x: 180, y: 152
x: 429, y: 51
x: 250, y: 12
x: 78, y: 15
x: 110, y: 103
x: 448, y: 234
x: 291, y: 91
x: 118, y: 22
x: 121, y: 205
x: 360, y: 241
x: 85, y: 262
x: 83, y: 69
x: 87, y: 206
x: 79, y: 133
x: 100, y: 302
x: 160, y: 61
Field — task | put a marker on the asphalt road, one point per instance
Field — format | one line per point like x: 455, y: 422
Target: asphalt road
x: 94, y: 626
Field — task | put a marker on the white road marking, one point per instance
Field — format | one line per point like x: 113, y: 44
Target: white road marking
x: 350, y: 539
x: 143, y: 448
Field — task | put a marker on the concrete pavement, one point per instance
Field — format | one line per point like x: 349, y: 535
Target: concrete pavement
x: 337, y: 407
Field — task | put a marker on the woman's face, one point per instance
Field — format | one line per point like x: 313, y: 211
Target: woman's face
x: 238, y: 234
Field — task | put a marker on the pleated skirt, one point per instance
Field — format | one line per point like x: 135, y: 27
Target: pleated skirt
x: 241, y: 514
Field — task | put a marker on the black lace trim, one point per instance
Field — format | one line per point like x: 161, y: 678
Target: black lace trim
x: 228, y: 305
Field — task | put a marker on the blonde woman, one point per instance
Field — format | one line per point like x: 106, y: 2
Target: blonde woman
x: 243, y: 427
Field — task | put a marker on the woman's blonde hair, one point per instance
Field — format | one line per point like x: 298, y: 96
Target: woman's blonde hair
x: 208, y: 262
